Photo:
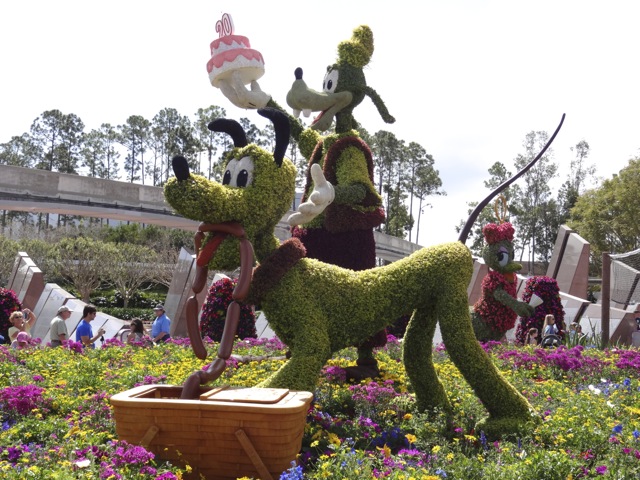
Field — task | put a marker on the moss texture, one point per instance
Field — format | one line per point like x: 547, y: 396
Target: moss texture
x: 318, y: 309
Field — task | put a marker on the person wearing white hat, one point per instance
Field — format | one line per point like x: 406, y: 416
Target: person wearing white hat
x: 160, y: 326
x: 58, y: 330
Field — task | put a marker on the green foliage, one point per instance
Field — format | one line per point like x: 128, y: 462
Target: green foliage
x: 8, y: 252
x: 129, y: 313
x: 131, y: 268
x: 358, y: 50
x: 433, y: 282
x: 82, y: 262
x: 499, y: 174
x: 607, y: 216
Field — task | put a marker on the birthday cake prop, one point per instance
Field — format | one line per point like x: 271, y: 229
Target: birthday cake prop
x: 234, y: 64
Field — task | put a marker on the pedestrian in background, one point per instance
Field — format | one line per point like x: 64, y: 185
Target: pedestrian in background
x: 22, y: 321
x: 58, y: 330
x: 84, y: 332
x: 161, y: 325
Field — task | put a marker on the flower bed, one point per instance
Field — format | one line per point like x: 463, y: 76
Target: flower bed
x: 57, y: 421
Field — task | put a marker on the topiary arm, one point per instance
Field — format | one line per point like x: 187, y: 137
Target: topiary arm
x: 307, y: 142
x: 377, y: 101
x: 296, y: 126
x: 521, y: 308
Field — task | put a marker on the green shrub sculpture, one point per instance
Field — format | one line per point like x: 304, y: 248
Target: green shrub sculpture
x: 316, y: 308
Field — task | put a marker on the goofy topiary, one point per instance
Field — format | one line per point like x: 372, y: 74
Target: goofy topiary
x: 342, y: 234
x: 317, y: 308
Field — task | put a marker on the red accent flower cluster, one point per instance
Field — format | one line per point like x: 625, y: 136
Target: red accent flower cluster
x: 494, y: 233
x: 497, y: 316
x: 214, y: 312
x: 9, y: 303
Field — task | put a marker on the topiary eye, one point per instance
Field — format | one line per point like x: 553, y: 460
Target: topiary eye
x: 227, y: 178
x: 330, y: 82
x: 502, y: 257
x: 243, y: 178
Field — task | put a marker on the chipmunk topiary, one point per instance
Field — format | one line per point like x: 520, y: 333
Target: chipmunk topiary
x: 498, y: 307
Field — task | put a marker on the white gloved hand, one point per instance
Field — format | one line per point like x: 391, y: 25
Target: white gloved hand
x: 235, y: 90
x: 322, y: 195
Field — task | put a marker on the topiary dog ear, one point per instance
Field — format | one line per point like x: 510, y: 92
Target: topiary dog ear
x: 231, y: 127
x: 283, y: 131
x: 180, y: 167
x: 358, y: 50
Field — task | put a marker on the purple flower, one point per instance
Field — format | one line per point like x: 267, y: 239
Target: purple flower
x: 20, y: 400
x: 601, y: 470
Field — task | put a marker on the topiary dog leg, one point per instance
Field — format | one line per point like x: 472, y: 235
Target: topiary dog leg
x: 417, y: 355
x: 508, y: 409
x: 308, y: 356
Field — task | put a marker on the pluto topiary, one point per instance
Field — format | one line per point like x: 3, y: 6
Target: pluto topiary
x: 317, y: 309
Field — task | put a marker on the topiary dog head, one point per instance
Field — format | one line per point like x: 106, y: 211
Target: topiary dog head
x: 257, y: 190
x: 344, y: 86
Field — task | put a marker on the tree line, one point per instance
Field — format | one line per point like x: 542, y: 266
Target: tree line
x: 140, y: 151
x: 530, y: 203
x: 127, y: 258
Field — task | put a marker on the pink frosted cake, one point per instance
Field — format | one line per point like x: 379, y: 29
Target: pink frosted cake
x: 234, y: 53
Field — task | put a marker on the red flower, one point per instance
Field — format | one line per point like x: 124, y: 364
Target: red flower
x: 494, y: 233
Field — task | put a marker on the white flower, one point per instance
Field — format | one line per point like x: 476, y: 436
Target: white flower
x: 595, y: 390
x: 83, y: 463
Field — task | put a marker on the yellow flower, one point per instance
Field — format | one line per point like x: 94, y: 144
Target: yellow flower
x: 436, y: 449
x: 450, y: 457
x: 410, y: 438
x: 71, y: 432
x: 407, y: 416
x: 334, y: 440
x: 315, y: 443
x: 386, y: 451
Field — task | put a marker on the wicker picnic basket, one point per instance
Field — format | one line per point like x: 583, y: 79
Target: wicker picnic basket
x: 228, y: 433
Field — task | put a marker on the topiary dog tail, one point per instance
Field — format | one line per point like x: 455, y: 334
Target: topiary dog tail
x: 464, y: 233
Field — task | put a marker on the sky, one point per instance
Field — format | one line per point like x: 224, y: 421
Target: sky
x: 467, y: 80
